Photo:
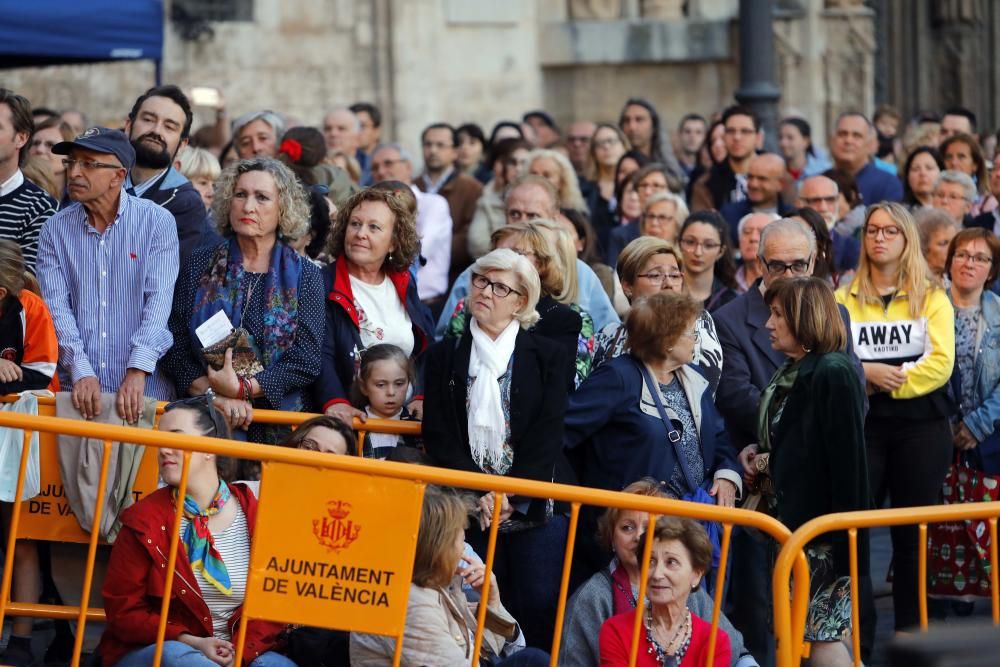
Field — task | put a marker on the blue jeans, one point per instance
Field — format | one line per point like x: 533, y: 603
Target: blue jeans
x: 179, y: 654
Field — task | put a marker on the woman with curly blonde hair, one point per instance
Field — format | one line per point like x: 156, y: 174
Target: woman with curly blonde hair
x: 372, y: 297
x: 555, y: 168
x: 271, y: 296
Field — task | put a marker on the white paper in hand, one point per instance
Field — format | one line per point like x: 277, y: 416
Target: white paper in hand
x: 214, y: 329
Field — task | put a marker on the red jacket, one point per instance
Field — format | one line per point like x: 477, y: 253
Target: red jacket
x: 136, y: 577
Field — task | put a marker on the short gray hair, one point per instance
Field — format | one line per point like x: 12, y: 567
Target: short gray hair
x: 929, y: 221
x: 742, y: 223
x: 276, y: 122
x: 680, y: 205
x: 357, y: 121
x: 403, y: 153
x: 786, y: 227
x: 958, y: 178
x: 504, y: 259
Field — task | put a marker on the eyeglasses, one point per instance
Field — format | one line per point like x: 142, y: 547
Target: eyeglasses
x: 88, y: 165
x: 950, y: 197
x: 577, y: 139
x: 662, y: 278
x: 694, y: 335
x: 204, y: 401
x: 778, y: 268
x: 693, y: 244
x: 500, y: 290
x: 659, y: 218
x: 982, y: 260
x: 889, y: 232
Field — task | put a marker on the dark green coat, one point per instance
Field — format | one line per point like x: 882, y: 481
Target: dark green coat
x: 818, y: 460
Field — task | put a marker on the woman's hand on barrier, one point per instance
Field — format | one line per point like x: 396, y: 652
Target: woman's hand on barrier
x: 724, y: 493
x: 238, y: 413
x: 746, y: 460
x: 218, y: 651
x: 416, y: 409
x: 86, y: 397
x: 225, y: 382
x: 964, y: 439
x: 884, y: 376
x: 10, y: 372
x: 486, y: 503
x: 346, y: 413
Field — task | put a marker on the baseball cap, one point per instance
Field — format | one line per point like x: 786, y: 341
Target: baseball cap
x: 102, y: 140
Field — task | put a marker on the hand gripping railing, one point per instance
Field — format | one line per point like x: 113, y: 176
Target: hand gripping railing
x: 576, y: 496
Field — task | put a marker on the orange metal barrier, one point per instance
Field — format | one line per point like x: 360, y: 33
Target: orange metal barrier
x: 375, y: 472
x: 790, y: 610
x: 49, y: 517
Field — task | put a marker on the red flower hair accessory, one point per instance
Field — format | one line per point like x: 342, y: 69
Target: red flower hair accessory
x: 292, y: 148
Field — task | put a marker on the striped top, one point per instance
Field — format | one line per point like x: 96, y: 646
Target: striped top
x: 22, y: 214
x: 110, y: 293
x: 233, y: 544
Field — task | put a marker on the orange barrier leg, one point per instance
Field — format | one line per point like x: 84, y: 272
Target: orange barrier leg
x: 852, y: 545
x: 720, y: 585
x: 484, y: 593
x: 95, y: 537
x: 175, y: 538
x: 640, y: 600
x: 574, y: 517
x: 15, y: 518
x: 994, y: 576
x: 922, y: 576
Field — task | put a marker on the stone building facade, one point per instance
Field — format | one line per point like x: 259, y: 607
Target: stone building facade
x: 482, y: 61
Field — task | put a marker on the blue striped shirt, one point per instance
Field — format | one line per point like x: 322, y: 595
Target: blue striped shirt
x: 110, y: 294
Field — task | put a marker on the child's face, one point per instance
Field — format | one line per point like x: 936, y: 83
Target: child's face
x: 386, y: 387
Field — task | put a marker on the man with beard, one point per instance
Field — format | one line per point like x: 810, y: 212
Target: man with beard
x: 157, y: 127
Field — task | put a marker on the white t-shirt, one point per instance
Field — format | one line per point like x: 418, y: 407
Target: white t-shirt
x: 381, y: 315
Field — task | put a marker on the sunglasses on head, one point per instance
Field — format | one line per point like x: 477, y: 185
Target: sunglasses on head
x: 204, y: 401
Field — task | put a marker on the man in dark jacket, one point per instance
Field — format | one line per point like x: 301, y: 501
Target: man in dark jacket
x: 786, y: 247
x: 158, y: 126
x: 727, y: 181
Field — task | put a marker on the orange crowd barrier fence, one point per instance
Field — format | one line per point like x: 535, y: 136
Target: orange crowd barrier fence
x: 48, y: 516
x: 335, y: 535
x: 791, y: 602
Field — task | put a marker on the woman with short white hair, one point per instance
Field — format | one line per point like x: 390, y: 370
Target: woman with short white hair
x: 662, y: 216
x: 494, y: 403
x: 954, y: 193
x: 555, y: 168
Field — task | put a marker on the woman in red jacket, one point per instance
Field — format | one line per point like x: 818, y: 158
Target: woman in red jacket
x: 212, y: 562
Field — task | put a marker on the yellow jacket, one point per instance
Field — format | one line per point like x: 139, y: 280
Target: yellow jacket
x: 924, y: 347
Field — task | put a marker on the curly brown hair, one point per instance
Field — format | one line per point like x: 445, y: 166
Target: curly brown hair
x: 404, y: 228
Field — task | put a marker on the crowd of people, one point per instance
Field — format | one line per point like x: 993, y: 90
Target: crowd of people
x: 673, y: 314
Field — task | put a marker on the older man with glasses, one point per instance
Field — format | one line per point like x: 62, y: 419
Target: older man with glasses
x: 786, y: 249
x: 107, y: 266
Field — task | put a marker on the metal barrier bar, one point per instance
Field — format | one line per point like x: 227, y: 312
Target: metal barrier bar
x: 488, y: 483
x: 852, y: 545
x: 994, y: 575
x: 484, y: 592
x: 15, y: 517
x: 788, y: 631
x: 175, y: 538
x: 95, y: 537
x: 720, y: 585
x: 640, y: 600
x: 922, y: 576
x: 62, y: 612
x: 574, y: 517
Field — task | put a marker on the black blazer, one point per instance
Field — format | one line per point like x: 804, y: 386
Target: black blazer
x: 538, y: 406
x: 818, y: 460
x: 560, y: 324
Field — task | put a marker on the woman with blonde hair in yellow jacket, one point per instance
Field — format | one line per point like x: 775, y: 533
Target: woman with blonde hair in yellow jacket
x: 903, y: 326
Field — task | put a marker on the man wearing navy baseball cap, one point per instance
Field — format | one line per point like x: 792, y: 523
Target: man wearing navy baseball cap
x: 107, y: 265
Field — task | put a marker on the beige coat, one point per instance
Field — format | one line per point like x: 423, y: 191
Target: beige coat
x: 440, y: 627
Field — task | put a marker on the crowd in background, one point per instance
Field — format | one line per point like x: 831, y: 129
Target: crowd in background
x: 665, y: 309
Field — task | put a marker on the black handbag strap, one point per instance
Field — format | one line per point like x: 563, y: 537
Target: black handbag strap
x: 673, y: 435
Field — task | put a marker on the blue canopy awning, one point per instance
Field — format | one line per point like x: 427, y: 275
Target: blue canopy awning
x: 48, y: 32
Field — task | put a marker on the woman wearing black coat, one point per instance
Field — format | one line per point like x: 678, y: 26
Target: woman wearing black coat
x: 494, y: 403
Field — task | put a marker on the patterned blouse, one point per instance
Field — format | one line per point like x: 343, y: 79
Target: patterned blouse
x: 966, y: 332
x: 689, y: 445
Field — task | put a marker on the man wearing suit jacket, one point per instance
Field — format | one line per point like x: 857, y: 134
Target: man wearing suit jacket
x: 749, y: 362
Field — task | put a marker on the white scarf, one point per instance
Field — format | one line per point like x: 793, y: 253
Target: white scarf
x: 488, y: 361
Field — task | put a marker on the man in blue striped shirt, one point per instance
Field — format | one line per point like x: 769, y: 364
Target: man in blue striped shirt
x: 107, y: 266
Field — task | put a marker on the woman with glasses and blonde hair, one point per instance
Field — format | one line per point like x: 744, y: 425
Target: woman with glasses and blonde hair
x: 647, y: 266
x: 812, y: 446
x: 494, y: 403
x: 904, y: 333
